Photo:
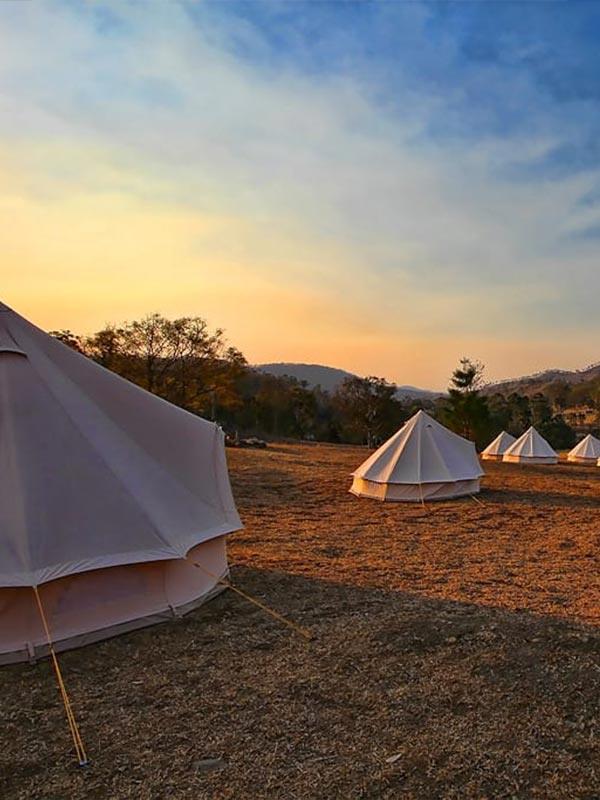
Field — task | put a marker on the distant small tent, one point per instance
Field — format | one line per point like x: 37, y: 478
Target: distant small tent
x: 108, y: 497
x: 531, y: 448
x: 586, y: 452
x: 422, y: 461
x: 496, y: 449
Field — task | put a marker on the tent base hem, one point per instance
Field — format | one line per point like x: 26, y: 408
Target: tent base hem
x: 530, y: 459
x: 84, y: 639
x: 413, y: 493
x: 123, y: 599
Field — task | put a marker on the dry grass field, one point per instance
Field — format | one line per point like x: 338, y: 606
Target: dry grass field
x: 462, y: 638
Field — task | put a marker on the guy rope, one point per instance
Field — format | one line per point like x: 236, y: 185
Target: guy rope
x: 228, y: 585
x: 73, y: 727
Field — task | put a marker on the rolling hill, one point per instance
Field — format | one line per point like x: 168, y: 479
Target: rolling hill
x: 541, y: 381
x: 329, y: 378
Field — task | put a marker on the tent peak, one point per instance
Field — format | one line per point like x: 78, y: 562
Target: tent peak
x: 531, y: 446
x: 422, y: 459
x: 498, y: 446
x: 421, y: 416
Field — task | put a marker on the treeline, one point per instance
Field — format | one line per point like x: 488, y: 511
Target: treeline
x: 185, y: 362
x: 482, y: 417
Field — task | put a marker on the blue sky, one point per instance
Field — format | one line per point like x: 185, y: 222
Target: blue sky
x: 388, y: 185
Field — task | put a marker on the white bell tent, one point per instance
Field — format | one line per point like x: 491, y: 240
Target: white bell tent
x: 496, y: 449
x: 530, y: 448
x: 108, y: 494
x: 422, y: 461
x: 586, y: 452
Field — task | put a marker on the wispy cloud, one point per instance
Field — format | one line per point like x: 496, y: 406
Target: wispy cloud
x: 406, y: 178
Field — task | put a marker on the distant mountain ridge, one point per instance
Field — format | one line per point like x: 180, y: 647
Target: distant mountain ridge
x: 528, y: 384
x: 329, y: 378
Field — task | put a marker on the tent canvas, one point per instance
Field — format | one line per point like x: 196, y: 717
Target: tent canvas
x: 421, y: 461
x: 496, y: 449
x: 530, y: 448
x: 105, y: 490
x: 586, y: 452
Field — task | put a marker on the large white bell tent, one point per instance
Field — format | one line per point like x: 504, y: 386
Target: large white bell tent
x: 531, y: 448
x: 108, y: 495
x: 586, y: 452
x: 496, y: 449
x: 422, y: 461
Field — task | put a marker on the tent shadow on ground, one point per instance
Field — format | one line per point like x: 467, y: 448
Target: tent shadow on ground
x: 476, y: 701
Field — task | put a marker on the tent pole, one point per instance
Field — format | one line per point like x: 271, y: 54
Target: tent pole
x: 228, y: 585
x: 73, y: 727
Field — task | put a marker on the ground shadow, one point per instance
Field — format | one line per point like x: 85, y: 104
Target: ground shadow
x: 469, y: 701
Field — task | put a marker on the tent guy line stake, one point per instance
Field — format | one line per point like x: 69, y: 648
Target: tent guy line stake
x: 477, y: 500
x: 228, y: 585
x: 73, y: 727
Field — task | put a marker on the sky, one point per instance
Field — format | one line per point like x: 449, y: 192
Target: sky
x: 383, y: 187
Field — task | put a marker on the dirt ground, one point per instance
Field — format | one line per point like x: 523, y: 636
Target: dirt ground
x: 455, y: 653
